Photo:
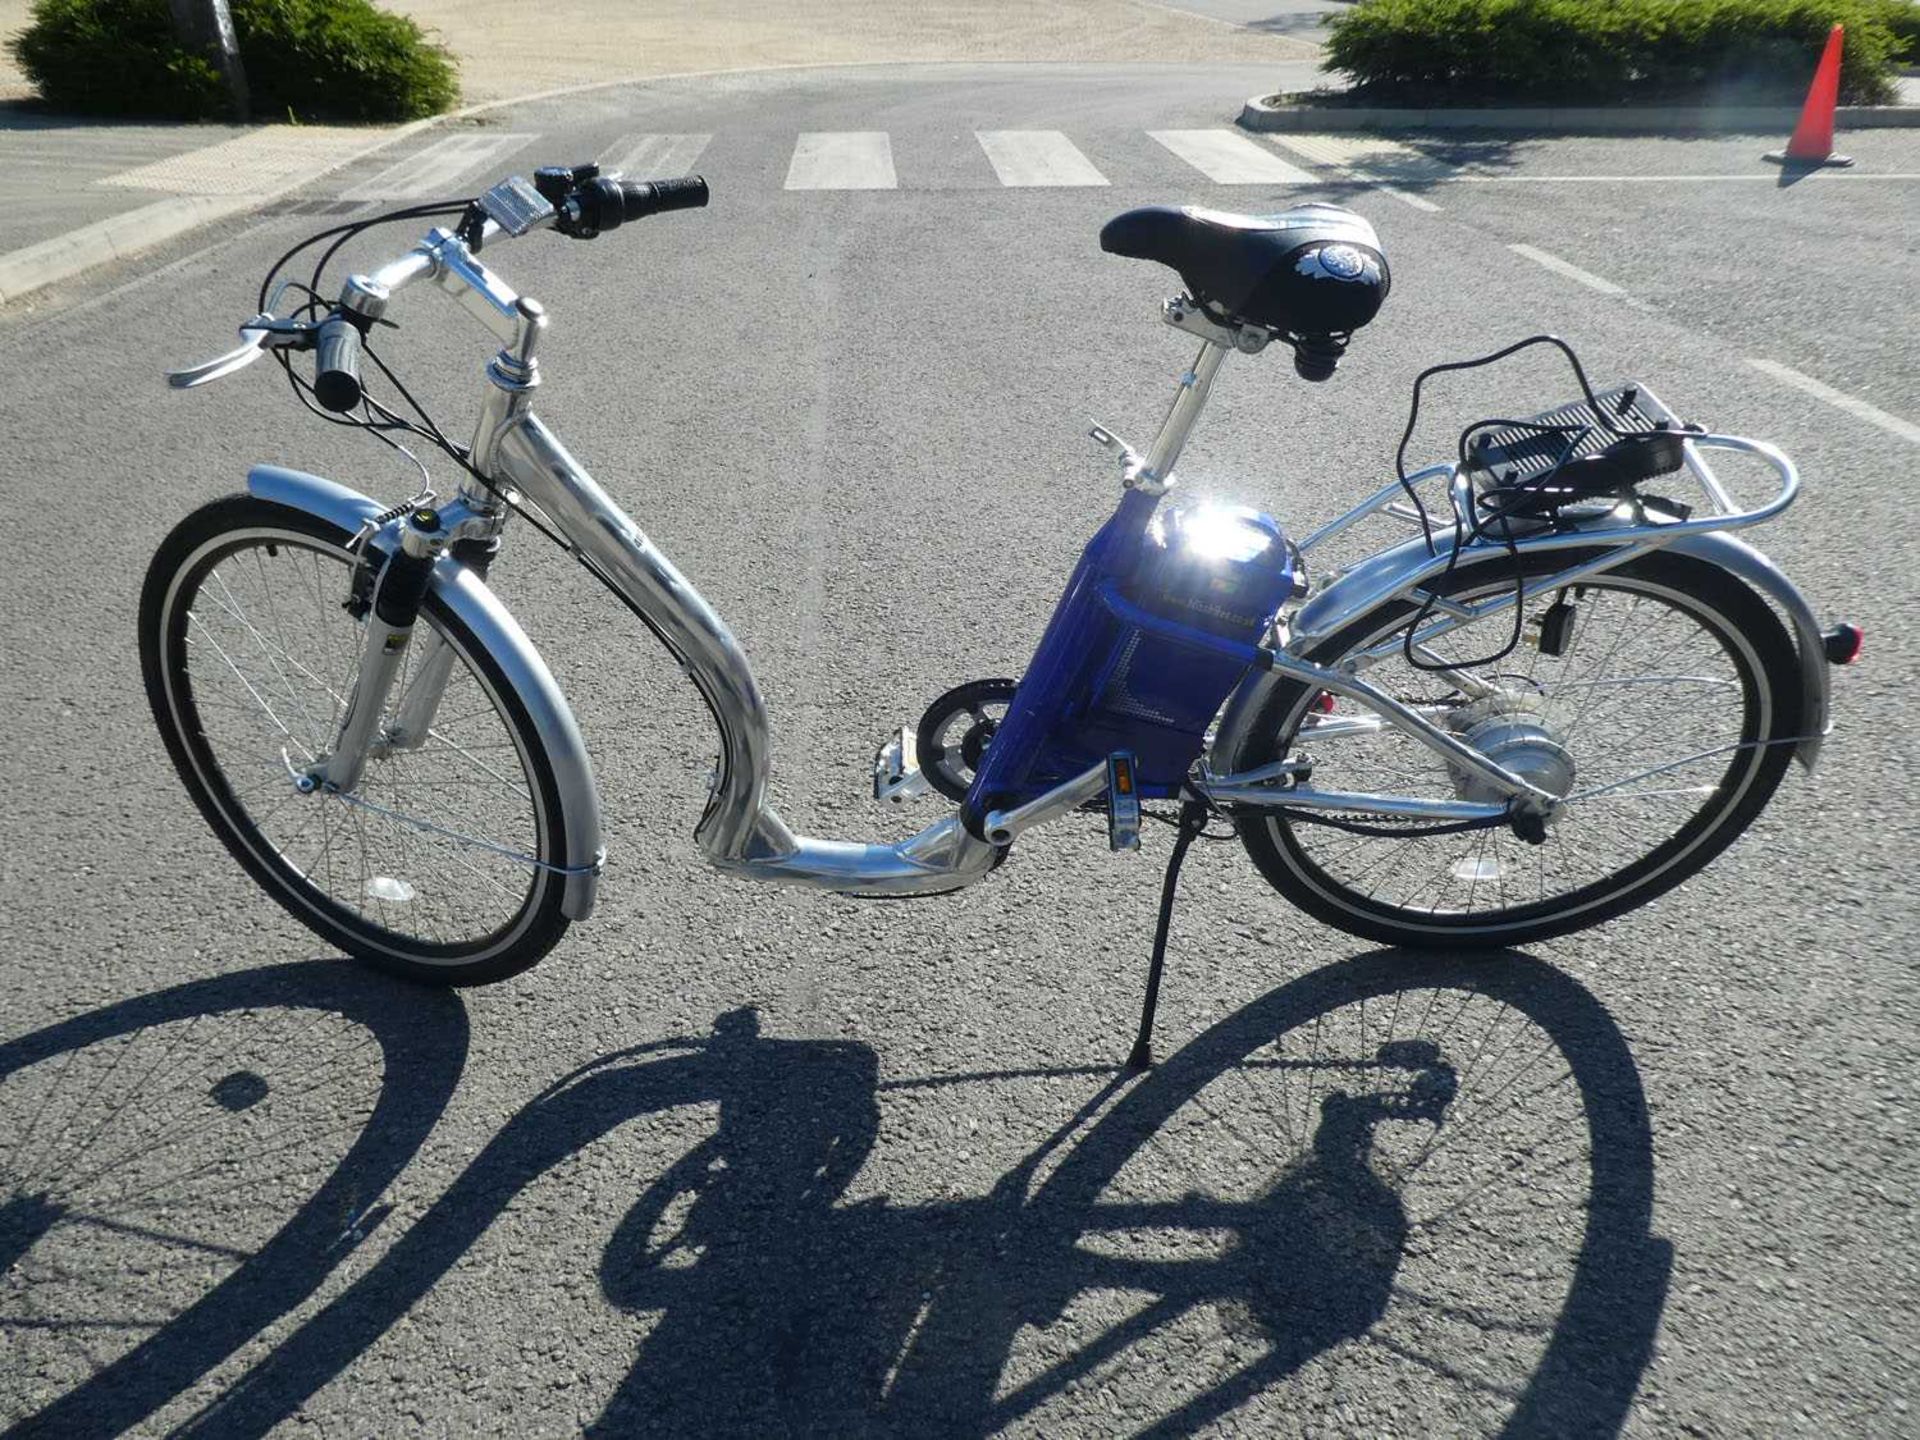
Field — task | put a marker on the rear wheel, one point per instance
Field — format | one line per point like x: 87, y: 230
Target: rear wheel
x: 439, y: 865
x: 1664, y: 723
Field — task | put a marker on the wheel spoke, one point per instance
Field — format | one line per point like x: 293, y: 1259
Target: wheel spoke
x: 1649, y: 709
x: 446, y: 868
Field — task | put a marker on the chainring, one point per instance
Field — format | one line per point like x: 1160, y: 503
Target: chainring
x: 955, y: 731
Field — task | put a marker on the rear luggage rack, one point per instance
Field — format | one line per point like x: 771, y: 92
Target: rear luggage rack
x: 1516, y: 453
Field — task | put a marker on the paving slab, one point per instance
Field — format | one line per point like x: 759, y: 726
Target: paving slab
x: 51, y: 169
x: 509, y: 48
x: 75, y: 195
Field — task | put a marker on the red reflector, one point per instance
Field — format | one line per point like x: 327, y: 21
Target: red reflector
x: 1842, y: 644
x: 1323, y: 702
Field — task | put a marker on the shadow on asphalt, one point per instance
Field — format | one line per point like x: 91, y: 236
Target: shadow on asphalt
x: 105, y: 1117
x: 784, y: 1309
x: 33, y: 114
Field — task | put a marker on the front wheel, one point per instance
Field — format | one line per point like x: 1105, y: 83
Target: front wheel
x: 441, y: 863
x: 1664, y: 721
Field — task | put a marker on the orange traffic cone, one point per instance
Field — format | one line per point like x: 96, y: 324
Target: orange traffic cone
x: 1812, y: 142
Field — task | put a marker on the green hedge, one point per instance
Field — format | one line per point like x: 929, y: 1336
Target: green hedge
x: 1903, y: 18
x: 1487, y: 52
x: 305, y: 60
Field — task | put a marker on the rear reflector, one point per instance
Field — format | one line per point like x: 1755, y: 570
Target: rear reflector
x: 1842, y: 644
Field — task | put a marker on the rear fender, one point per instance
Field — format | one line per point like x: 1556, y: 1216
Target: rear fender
x: 480, y: 610
x: 1376, y: 580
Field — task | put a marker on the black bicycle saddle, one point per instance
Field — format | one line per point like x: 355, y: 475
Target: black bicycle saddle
x: 1315, y: 270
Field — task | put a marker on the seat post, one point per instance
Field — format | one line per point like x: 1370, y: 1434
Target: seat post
x: 1156, y: 476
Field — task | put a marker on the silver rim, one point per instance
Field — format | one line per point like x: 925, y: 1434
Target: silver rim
x: 1650, y: 702
x: 439, y: 850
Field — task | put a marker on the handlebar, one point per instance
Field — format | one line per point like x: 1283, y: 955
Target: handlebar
x: 576, y: 201
x: 336, y: 366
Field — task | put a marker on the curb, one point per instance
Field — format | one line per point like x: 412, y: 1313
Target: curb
x: 114, y: 238
x: 1258, y: 115
x: 122, y: 236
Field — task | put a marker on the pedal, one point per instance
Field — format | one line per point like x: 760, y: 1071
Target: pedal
x: 1123, y: 803
x: 896, y: 770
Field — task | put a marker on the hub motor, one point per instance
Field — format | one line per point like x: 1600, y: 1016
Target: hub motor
x: 1511, y: 730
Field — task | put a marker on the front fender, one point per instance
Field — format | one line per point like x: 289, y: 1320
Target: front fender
x: 1379, y: 578
x: 480, y: 610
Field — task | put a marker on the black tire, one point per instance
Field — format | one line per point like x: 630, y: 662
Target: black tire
x: 193, y: 553
x: 1757, y: 652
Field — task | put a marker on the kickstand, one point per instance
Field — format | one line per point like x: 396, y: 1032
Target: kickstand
x: 1193, y: 819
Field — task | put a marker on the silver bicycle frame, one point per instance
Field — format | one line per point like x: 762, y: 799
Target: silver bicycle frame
x: 739, y: 831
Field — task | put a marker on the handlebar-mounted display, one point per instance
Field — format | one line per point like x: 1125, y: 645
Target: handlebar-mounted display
x: 577, y: 201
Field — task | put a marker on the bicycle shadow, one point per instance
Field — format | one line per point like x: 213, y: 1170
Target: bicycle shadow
x: 781, y: 1309
x: 126, y: 1129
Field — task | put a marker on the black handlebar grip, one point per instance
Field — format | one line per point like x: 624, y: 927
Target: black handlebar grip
x: 336, y: 378
x: 650, y: 197
x: 607, y: 202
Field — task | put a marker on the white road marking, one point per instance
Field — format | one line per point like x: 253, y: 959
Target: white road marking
x: 653, y: 157
x: 1872, y: 414
x: 1374, y: 159
x: 1037, y: 157
x: 265, y: 161
x: 438, y: 168
x: 843, y: 160
x: 1572, y: 272
x: 1405, y: 199
x: 1230, y: 159
x: 1372, y: 154
x: 1774, y: 179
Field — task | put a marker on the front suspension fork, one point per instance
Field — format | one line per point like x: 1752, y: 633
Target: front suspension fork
x: 393, y: 613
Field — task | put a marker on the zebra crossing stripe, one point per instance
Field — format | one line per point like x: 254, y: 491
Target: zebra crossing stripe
x: 440, y: 167
x: 1376, y: 159
x: 1374, y: 156
x: 1229, y: 159
x: 272, y: 159
x: 1036, y: 157
x: 842, y: 160
x: 653, y: 157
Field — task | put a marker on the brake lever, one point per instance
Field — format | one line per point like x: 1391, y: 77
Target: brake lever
x: 258, y: 336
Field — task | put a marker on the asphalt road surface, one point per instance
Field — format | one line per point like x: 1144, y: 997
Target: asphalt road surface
x: 740, y: 1161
